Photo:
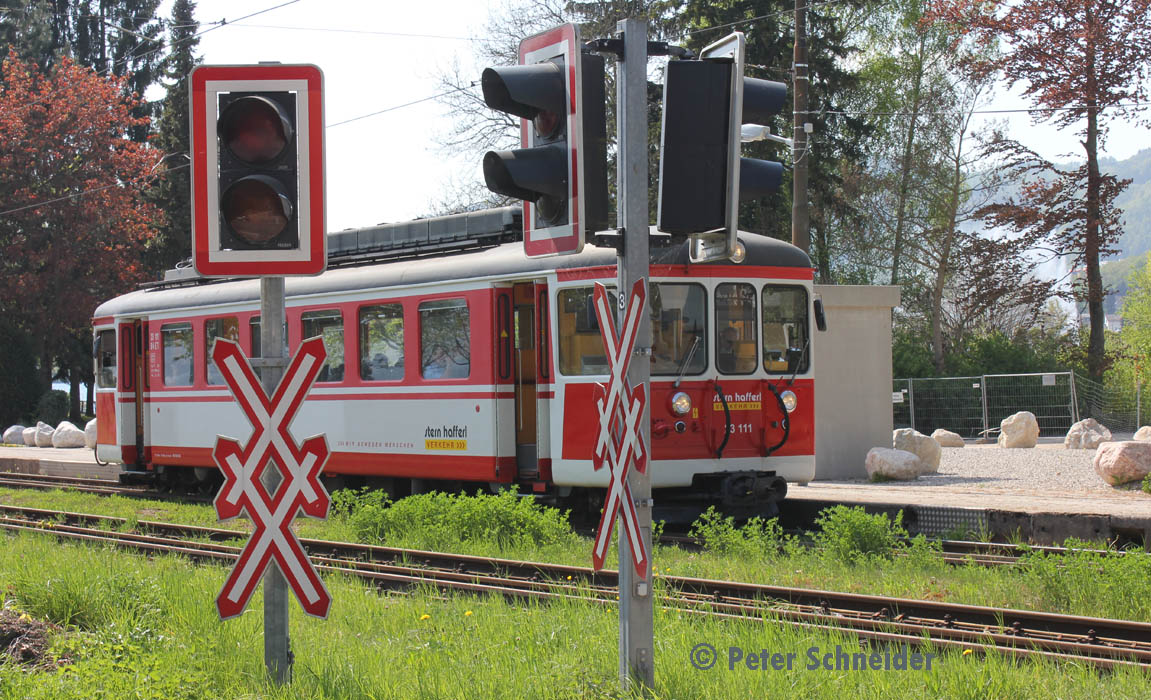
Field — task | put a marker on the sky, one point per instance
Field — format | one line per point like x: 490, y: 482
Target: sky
x: 389, y: 166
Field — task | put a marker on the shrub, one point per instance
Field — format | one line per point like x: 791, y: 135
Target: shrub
x: 52, y: 407
x: 1147, y: 484
x: 851, y: 533
x: 757, y: 537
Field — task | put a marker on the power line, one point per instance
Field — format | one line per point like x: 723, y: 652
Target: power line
x: 360, y: 31
x: 1031, y: 110
x: 406, y: 104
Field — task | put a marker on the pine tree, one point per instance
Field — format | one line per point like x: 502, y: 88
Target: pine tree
x: 172, y: 192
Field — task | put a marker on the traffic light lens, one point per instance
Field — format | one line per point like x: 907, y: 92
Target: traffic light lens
x: 547, y: 124
x: 256, y: 209
x: 255, y: 129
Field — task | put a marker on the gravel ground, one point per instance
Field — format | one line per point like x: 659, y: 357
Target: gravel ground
x: 1046, y: 468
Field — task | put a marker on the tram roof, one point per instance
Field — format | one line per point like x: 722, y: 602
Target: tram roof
x: 506, y: 260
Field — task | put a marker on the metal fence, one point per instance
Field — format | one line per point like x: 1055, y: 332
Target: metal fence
x: 974, y: 406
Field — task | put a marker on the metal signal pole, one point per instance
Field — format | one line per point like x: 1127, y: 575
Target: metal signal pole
x: 636, y: 634
x: 800, y: 219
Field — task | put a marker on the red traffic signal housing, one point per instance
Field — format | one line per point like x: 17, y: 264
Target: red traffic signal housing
x: 258, y: 170
x: 561, y: 170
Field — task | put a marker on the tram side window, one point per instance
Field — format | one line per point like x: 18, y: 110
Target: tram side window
x: 678, y: 322
x: 580, y: 346
x: 329, y: 325
x: 179, y: 354
x: 254, y: 328
x: 227, y: 328
x: 382, y: 342
x: 735, y: 333
x: 785, y: 326
x: 445, y: 339
x: 106, y: 360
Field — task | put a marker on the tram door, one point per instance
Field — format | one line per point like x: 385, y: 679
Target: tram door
x: 133, y: 340
x: 525, y: 370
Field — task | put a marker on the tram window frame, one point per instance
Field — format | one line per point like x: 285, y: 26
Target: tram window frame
x: 734, y: 333
x: 212, y: 374
x: 254, y: 337
x: 167, y: 332
x: 106, y: 366
x: 369, y: 364
x: 453, y: 369
x: 675, y: 364
x: 320, y: 322
x: 778, y: 365
x: 578, y: 328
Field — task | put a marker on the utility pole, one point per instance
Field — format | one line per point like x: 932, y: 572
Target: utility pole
x: 800, y: 220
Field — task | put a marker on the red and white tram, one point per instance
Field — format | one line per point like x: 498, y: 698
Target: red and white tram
x: 454, y: 361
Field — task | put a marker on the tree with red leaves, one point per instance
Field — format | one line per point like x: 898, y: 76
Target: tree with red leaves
x: 1082, y: 62
x: 73, y: 220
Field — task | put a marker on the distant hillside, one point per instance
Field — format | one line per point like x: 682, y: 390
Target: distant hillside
x: 1135, y: 202
x: 1115, y: 274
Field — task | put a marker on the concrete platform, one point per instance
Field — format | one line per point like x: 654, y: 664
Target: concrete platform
x: 51, y: 461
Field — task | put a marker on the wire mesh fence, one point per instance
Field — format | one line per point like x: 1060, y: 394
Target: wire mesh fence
x: 974, y: 406
x: 1121, y: 409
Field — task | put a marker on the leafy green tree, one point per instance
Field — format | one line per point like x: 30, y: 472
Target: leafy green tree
x: 1136, y: 332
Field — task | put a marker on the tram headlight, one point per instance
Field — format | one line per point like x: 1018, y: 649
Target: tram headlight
x: 739, y: 252
x: 680, y: 403
x: 790, y: 400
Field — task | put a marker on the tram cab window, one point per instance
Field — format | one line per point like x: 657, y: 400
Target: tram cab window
x: 445, y: 339
x: 179, y: 353
x: 382, y: 342
x: 106, y: 360
x: 580, y: 346
x: 227, y: 328
x: 678, y: 322
x: 785, y: 328
x: 735, y: 333
x: 329, y: 325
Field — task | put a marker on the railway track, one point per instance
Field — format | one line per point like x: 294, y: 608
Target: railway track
x: 1100, y: 642
x: 103, y: 487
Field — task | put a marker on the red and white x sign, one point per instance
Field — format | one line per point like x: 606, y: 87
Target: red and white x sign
x: 300, y: 489
x: 619, y: 441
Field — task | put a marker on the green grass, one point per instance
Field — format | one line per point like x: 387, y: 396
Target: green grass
x: 147, y: 628
x: 855, y: 556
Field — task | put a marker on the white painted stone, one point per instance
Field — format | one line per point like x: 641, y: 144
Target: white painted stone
x: 922, y: 446
x: 44, y: 434
x: 1019, y: 430
x: 946, y: 438
x: 1087, y: 434
x: 1143, y: 433
x: 67, y: 436
x: 14, y: 435
x: 1123, y: 462
x: 30, y: 437
x: 90, y: 434
x: 893, y: 464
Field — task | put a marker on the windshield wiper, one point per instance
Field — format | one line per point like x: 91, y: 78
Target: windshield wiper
x: 687, y: 360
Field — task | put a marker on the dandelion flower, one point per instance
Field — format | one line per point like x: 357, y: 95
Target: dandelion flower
x: 425, y: 616
x: 966, y: 652
x: 467, y: 613
x: 569, y: 578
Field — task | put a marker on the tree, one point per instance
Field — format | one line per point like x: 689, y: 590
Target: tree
x: 75, y: 220
x: 172, y: 192
x: 1136, y: 332
x: 1080, y: 62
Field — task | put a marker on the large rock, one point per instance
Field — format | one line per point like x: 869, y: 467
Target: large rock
x: 30, y: 437
x: 90, y: 434
x: 1019, y: 430
x: 44, y: 434
x: 1143, y: 433
x: 893, y: 464
x: 14, y: 435
x: 922, y: 446
x: 1087, y: 434
x: 67, y: 435
x: 1122, y: 462
x: 946, y: 438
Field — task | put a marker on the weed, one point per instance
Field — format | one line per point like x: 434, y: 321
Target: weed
x: 757, y: 537
x: 852, y: 533
x: 1147, y: 483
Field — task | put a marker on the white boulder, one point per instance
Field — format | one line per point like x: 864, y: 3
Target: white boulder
x: 44, y: 434
x: 1019, y: 430
x: 1143, y: 433
x: 67, y: 435
x: 886, y: 463
x: 1122, y: 462
x: 1087, y: 434
x: 90, y: 434
x: 14, y: 435
x: 30, y: 437
x: 922, y: 446
x: 946, y: 438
